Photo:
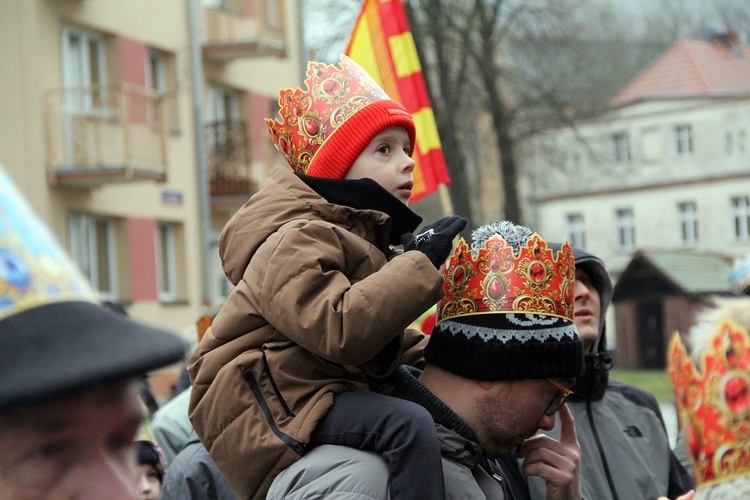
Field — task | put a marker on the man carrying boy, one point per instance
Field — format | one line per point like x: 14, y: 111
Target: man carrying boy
x: 499, y: 362
x: 321, y: 301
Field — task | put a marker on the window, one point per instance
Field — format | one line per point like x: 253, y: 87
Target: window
x: 625, y: 229
x: 687, y: 215
x: 92, y: 247
x: 729, y: 142
x: 166, y: 253
x: 576, y: 233
x: 223, y: 104
x: 156, y: 81
x: 621, y: 144
x: 684, y: 140
x: 273, y: 14
x: 741, y: 216
x: 84, y: 71
x: 227, y: 134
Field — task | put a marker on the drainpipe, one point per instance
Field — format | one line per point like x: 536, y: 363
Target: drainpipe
x: 200, y: 150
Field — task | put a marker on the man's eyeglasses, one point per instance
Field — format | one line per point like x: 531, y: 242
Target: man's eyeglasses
x: 560, y: 397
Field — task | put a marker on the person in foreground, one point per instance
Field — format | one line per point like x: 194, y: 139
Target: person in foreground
x: 711, y: 382
x: 625, y: 449
x: 70, y: 370
x: 499, y: 362
x: 321, y: 301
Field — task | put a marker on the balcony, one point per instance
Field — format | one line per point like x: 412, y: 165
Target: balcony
x: 228, y: 162
x: 234, y: 29
x: 103, y: 134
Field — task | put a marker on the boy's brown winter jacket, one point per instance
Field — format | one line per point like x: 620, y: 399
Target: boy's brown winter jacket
x: 317, y: 307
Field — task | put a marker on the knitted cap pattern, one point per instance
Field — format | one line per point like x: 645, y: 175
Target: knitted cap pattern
x: 507, y: 312
x: 325, y: 127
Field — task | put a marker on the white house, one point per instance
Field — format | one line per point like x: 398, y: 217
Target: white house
x: 666, y: 168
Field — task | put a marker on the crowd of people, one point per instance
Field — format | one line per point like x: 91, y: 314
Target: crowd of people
x: 309, y: 381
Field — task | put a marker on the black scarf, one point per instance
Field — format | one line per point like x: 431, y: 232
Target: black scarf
x: 366, y: 194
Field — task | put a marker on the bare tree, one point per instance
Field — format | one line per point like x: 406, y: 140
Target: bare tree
x: 531, y: 65
x: 440, y: 42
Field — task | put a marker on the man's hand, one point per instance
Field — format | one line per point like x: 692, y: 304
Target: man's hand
x: 557, y: 462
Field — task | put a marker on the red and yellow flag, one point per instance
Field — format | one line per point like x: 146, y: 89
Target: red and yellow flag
x: 383, y: 45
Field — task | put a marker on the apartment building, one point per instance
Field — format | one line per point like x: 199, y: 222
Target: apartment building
x: 666, y: 168
x: 135, y: 128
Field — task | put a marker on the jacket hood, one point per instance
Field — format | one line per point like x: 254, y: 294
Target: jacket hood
x: 598, y: 362
x: 602, y: 281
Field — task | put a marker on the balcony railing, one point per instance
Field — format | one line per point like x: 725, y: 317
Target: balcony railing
x: 229, y: 159
x: 230, y: 33
x: 105, y: 133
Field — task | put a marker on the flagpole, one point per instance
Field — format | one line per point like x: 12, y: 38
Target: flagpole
x: 445, y: 199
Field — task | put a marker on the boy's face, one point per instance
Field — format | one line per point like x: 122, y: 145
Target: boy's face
x: 387, y: 160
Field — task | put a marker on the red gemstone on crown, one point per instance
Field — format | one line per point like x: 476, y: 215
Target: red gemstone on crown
x: 331, y: 86
x: 459, y: 276
x: 285, y: 146
x: 495, y: 265
x: 536, y: 272
x: 568, y: 294
x: 312, y: 126
x: 737, y: 394
x: 495, y: 289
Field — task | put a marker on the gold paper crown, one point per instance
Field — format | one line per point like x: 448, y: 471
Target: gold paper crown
x: 332, y: 95
x: 713, y: 403
x: 493, y: 279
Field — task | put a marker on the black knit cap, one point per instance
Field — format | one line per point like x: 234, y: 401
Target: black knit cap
x: 505, y: 345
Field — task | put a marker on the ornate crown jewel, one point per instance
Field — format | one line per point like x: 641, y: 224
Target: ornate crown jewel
x: 713, y: 403
x: 494, y: 278
x: 309, y: 117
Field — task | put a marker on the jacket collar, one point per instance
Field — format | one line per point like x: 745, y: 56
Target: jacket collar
x: 366, y: 194
x: 411, y: 389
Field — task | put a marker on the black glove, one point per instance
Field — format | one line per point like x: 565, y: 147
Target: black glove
x: 436, y: 239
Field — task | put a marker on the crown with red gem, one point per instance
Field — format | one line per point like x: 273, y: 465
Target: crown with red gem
x: 324, y: 128
x: 507, y: 310
x: 713, y: 402
x: 498, y: 278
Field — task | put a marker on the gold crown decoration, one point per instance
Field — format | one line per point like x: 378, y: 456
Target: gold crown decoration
x: 495, y: 278
x: 713, y: 403
x: 332, y: 95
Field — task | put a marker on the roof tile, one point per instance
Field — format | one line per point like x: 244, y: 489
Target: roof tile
x: 691, y: 68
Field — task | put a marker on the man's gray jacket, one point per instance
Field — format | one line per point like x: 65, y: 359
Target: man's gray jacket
x: 625, y: 450
x: 336, y: 472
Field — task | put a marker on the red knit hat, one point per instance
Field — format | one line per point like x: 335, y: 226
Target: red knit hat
x: 327, y: 126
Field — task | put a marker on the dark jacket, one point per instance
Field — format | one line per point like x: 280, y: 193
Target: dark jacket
x: 193, y: 475
x: 625, y: 451
x: 320, y: 303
